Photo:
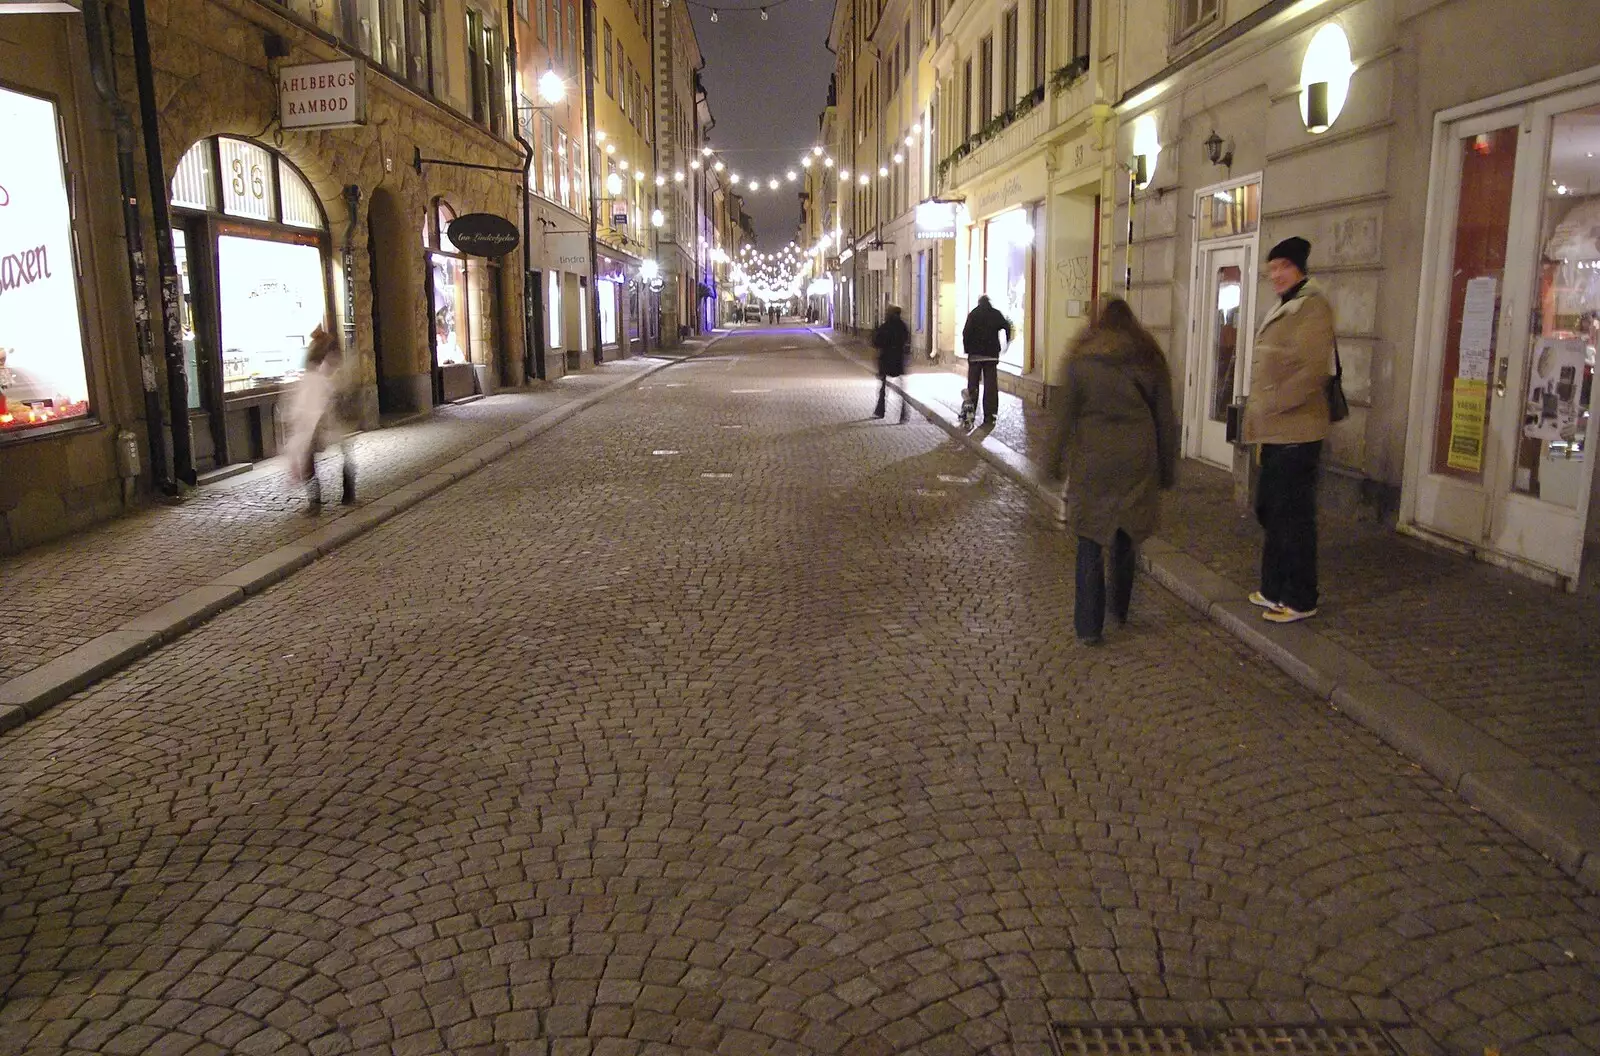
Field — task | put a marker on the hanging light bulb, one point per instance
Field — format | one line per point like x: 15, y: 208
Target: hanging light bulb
x: 763, y: 14
x: 713, y: 14
x: 695, y: 164
x: 792, y: 176
x: 883, y: 170
x: 677, y: 177
x: 661, y: 181
x: 623, y: 164
x: 717, y: 167
x: 899, y: 158
x: 863, y: 180
x: 734, y: 176
x: 827, y: 163
x: 844, y: 174
x: 773, y: 184
x: 638, y: 175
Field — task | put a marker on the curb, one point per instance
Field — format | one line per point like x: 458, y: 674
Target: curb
x: 1544, y: 810
x: 37, y: 691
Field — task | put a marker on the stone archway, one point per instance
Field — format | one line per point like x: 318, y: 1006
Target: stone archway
x: 403, y: 378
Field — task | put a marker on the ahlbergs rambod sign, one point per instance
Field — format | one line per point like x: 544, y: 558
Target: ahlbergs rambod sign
x: 323, y: 94
x: 483, y: 234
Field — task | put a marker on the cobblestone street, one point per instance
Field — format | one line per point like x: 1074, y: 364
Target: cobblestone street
x: 725, y: 718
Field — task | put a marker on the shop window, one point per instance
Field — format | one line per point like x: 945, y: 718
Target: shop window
x: 1190, y: 16
x: 553, y: 310
x: 483, y: 74
x: 269, y: 289
x: 548, y: 128
x: 43, y: 379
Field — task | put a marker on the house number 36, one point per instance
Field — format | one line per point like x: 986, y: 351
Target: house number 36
x: 257, y: 187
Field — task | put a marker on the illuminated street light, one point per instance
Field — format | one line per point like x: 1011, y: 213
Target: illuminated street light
x: 552, y: 89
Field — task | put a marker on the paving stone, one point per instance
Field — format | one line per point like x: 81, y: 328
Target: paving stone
x: 591, y: 752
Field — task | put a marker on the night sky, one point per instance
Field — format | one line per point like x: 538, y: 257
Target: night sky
x: 768, y: 83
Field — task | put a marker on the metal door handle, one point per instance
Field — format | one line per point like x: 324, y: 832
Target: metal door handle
x: 1500, y: 377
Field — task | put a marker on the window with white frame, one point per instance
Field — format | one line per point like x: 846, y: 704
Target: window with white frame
x: 1191, y: 15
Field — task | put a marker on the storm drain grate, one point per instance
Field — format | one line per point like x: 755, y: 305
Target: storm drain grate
x: 1315, y: 1039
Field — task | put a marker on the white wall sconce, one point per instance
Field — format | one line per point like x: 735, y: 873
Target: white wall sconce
x: 1325, y: 78
x: 1146, y: 151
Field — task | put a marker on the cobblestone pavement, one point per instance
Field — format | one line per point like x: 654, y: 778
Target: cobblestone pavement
x: 63, y: 594
x: 727, y: 719
x: 1497, y: 649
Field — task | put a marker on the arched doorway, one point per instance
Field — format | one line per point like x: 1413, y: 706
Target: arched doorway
x: 464, y: 313
x: 251, y: 243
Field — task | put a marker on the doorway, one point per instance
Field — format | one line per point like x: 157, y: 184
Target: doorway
x: 1501, y: 451
x: 1221, y: 331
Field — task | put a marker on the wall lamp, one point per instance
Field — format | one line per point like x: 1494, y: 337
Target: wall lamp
x: 1325, y: 78
x: 1218, y: 152
x: 1139, y: 165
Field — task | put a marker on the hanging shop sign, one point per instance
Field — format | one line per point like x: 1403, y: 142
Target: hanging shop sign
x: 483, y: 234
x: 877, y: 260
x: 936, y: 219
x: 42, y: 376
x: 567, y: 251
x: 323, y: 95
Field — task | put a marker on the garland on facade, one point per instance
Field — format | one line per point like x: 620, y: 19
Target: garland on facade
x: 1060, y: 81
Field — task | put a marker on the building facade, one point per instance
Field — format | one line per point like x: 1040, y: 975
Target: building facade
x: 292, y: 166
x: 678, y: 141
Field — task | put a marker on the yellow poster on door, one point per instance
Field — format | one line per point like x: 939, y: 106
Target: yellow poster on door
x: 1469, y: 403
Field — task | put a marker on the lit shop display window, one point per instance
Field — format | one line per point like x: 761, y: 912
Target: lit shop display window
x: 270, y: 287
x: 43, y: 380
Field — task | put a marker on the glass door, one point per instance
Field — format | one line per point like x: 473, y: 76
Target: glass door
x: 1504, y: 460
x: 1218, y: 374
x: 1541, y: 427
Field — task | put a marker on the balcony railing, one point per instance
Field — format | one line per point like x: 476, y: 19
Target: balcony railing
x: 1070, y: 90
x: 1010, y: 142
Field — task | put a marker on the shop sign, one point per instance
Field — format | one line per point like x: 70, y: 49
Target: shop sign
x: 877, y: 260
x: 483, y: 234
x: 42, y: 375
x: 936, y: 219
x: 567, y: 251
x: 323, y: 95
x: 1026, y: 184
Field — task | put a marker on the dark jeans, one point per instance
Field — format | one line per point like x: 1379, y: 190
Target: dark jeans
x: 989, y: 374
x: 883, y: 398
x: 1089, y: 616
x: 1286, y: 506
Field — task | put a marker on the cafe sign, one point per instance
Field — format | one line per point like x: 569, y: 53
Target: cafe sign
x: 323, y: 94
x: 483, y: 234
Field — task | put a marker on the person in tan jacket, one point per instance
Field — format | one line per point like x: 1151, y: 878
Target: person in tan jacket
x: 1286, y: 414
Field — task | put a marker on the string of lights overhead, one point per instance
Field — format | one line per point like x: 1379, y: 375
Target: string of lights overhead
x: 709, y: 159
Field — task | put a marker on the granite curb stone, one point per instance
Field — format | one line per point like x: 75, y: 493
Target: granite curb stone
x: 1547, y: 812
x: 35, y: 691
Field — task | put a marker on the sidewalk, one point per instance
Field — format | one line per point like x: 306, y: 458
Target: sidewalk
x: 1486, y: 679
x: 81, y: 607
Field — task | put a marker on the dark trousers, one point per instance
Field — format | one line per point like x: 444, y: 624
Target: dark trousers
x: 348, y: 474
x: 1089, y: 616
x: 989, y: 374
x: 1286, y: 506
x: 883, y: 399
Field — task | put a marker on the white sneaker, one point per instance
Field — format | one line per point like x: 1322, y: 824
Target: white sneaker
x: 1259, y: 599
x: 1284, y: 614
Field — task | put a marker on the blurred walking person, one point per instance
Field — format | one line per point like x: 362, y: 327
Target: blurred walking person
x: 315, y: 421
x: 1118, y: 436
x: 981, y: 339
x: 1287, y: 414
x: 892, y: 339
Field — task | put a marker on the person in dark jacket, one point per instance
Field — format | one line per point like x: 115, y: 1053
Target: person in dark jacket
x: 1119, y: 437
x: 892, y: 339
x: 981, y: 338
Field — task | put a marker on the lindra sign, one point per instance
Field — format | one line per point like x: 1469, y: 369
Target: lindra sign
x: 323, y: 94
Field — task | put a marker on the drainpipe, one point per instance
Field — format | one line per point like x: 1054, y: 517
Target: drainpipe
x: 102, y: 69
x: 532, y: 337
x: 171, y: 296
x: 594, y: 197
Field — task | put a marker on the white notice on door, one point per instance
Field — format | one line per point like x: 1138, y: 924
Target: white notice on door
x: 1477, y: 329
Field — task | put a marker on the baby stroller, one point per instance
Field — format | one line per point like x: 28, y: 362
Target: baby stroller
x: 969, y: 408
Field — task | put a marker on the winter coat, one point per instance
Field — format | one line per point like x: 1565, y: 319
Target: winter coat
x: 981, y: 334
x: 313, y: 415
x: 892, y: 340
x: 1293, y: 358
x: 1118, y: 436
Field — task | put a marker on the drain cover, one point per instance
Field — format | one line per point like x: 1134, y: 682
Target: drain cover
x: 1318, y: 1039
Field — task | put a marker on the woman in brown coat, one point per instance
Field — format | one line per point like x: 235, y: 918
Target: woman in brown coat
x: 1119, y: 440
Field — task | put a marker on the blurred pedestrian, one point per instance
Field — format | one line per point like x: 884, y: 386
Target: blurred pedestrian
x: 315, y: 419
x: 1118, y: 436
x: 1286, y: 414
x: 981, y: 339
x: 892, y: 339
